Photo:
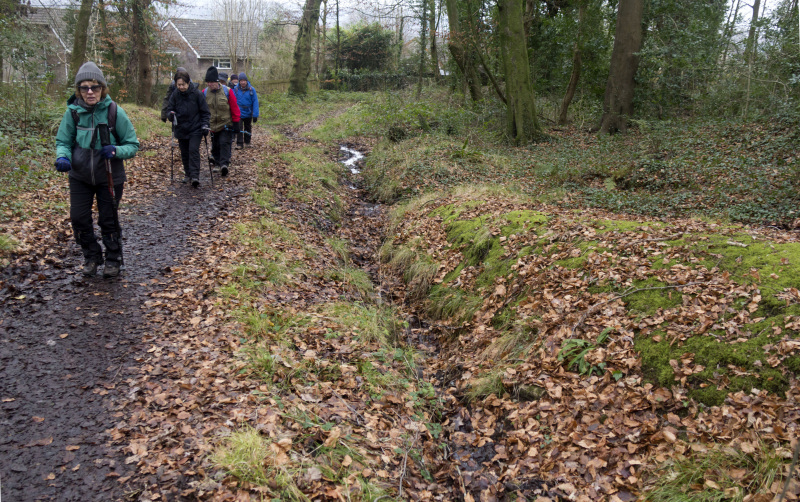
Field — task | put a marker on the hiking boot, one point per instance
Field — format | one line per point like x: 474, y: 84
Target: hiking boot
x: 239, y: 147
x: 215, y: 169
x: 111, y: 269
x: 223, y: 171
x: 195, y: 182
x: 186, y: 179
x: 90, y: 268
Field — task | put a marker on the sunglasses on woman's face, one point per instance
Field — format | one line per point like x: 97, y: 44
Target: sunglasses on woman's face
x: 93, y: 88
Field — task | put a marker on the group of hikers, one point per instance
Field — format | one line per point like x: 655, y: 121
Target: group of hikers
x: 225, y: 109
x: 95, y: 137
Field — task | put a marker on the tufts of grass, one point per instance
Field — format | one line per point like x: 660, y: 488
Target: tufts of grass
x: 341, y: 248
x: 372, y: 323
x: 491, y: 383
x: 243, y: 454
x: 354, y: 279
x: 717, y: 474
x: 452, y: 304
x: 248, y: 456
x: 8, y: 244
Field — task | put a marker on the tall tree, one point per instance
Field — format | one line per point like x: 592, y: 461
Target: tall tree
x: 242, y: 20
x: 521, y: 122
x: 79, y: 40
x: 455, y: 44
x: 727, y: 35
x: 422, y: 45
x: 298, y: 82
x: 141, y: 47
x: 108, y: 40
x: 618, y: 99
x: 576, y: 66
x: 751, y: 36
x: 433, y: 23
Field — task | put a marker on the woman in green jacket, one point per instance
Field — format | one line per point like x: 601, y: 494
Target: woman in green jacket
x: 79, y: 152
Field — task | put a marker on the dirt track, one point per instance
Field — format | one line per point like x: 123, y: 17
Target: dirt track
x: 67, y: 344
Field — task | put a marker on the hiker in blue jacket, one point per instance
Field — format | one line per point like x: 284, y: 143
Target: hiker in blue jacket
x: 247, y: 99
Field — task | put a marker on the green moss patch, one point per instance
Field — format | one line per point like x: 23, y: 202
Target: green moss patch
x: 650, y: 299
x: 604, y: 226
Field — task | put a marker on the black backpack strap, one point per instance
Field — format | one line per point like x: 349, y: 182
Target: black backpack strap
x: 112, y: 120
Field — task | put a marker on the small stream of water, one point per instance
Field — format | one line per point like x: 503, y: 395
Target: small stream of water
x: 351, y: 162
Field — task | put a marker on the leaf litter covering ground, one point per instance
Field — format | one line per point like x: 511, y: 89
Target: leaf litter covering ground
x: 590, y: 437
x: 341, y: 416
x: 64, y: 339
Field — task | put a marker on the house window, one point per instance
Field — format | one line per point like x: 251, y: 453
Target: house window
x: 222, y: 64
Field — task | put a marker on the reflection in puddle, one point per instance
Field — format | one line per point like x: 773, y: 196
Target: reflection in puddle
x: 352, y: 160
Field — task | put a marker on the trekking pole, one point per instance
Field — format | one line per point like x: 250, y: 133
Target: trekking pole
x: 208, y: 156
x: 105, y: 140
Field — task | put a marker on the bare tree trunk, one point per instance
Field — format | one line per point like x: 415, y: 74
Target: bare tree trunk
x: 576, y: 68
x: 338, y: 61
x: 107, y: 41
x: 320, y: 34
x: 298, y: 82
x: 141, y: 48
x: 618, y: 99
x: 728, y: 33
x: 522, y: 125
x: 434, y: 49
x: 751, y: 36
x: 79, y: 42
x: 422, y: 45
x: 456, y: 47
x: 400, y: 37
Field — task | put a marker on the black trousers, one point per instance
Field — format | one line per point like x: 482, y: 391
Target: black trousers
x: 81, y: 198
x: 221, y: 147
x: 247, y: 125
x: 190, y: 155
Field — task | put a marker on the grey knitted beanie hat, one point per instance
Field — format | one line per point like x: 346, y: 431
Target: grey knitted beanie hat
x: 89, y: 71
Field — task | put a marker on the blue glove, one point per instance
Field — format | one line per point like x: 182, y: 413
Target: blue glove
x: 109, y: 151
x: 63, y: 165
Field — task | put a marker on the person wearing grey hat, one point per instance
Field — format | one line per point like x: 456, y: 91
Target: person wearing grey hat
x: 80, y: 152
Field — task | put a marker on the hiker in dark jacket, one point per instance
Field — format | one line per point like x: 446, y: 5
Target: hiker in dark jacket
x: 192, y: 116
x: 169, y: 93
x: 234, y: 81
x: 247, y: 99
x: 224, y: 120
x: 79, y: 152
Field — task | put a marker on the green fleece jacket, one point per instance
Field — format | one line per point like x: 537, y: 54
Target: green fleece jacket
x: 81, y: 145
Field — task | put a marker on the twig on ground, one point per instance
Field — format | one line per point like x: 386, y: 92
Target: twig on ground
x: 405, y: 463
x: 791, y: 471
x: 629, y: 292
x: 360, y: 419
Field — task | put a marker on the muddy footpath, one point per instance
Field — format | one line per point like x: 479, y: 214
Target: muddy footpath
x: 68, y: 343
